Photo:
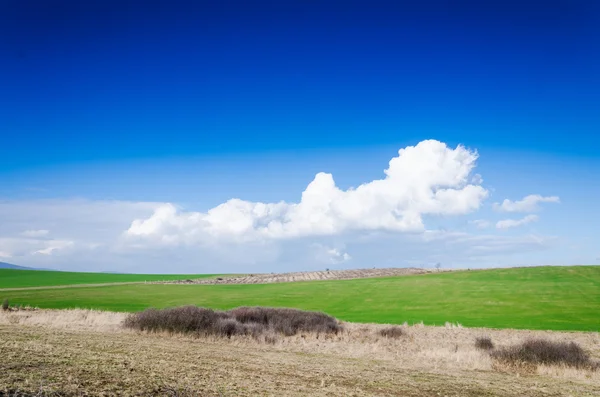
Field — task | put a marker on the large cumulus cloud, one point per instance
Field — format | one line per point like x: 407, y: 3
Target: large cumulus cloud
x: 427, y: 179
x: 411, y: 216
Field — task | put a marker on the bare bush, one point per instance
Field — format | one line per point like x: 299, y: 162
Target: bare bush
x: 287, y: 321
x: 5, y: 305
x: 185, y: 320
x: 252, y: 321
x: 541, y: 351
x: 484, y: 343
x: 392, y: 332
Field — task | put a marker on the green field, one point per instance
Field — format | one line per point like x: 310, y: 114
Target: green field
x: 554, y: 298
x: 10, y: 278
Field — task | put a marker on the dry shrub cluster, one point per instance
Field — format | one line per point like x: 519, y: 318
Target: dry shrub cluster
x: 252, y: 321
x: 484, y: 343
x: 392, y: 332
x: 541, y: 351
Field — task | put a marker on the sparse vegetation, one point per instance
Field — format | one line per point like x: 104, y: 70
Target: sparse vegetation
x: 484, y: 343
x: 38, y: 393
x: 253, y: 321
x: 5, y: 304
x: 541, y: 351
x: 392, y: 332
x: 430, y: 360
x: 327, y: 274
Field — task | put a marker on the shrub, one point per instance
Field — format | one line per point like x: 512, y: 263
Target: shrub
x: 185, y: 319
x: 541, y: 351
x: 253, y: 321
x: 5, y: 305
x: 484, y: 343
x: 287, y: 321
x: 392, y: 332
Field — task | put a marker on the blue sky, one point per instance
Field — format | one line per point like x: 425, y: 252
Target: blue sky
x: 112, y: 110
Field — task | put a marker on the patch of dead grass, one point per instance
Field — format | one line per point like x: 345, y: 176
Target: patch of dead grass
x: 91, y: 351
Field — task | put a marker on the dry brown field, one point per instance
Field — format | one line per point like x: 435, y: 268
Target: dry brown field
x: 79, y: 352
x: 266, y: 278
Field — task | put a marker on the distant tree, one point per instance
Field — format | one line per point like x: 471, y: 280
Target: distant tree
x: 438, y: 266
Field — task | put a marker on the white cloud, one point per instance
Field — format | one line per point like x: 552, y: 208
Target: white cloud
x: 480, y: 223
x: 54, y: 245
x: 19, y: 246
x: 330, y: 255
x: 35, y: 233
x: 94, y: 229
x: 477, y: 179
x: 78, y: 226
x: 527, y: 204
x: 426, y: 179
x: 380, y: 223
x: 510, y: 223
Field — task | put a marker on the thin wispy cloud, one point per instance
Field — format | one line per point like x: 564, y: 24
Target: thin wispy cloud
x: 511, y: 223
x: 528, y: 204
x: 480, y: 223
x: 35, y: 233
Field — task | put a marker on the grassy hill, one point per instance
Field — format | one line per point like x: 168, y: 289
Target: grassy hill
x: 556, y: 298
x: 12, y: 278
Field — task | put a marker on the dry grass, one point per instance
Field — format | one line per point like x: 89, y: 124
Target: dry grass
x: 76, y: 319
x: 76, y: 350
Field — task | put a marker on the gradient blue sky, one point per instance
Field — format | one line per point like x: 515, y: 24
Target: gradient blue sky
x: 107, y: 107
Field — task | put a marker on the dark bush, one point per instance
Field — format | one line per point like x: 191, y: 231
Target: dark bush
x: 5, y: 305
x: 540, y: 351
x: 186, y: 319
x: 253, y: 321
x: 287, y: 321
x: 484, y: 343
x: 392, y: 332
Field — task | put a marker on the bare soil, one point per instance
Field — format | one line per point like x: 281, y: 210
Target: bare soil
x: 266, y: 278
x: 79, y: 352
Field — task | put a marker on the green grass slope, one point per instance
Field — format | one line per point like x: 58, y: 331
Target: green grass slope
x: 554, y: 298
x: 12, y: 278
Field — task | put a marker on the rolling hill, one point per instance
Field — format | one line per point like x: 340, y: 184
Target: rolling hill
x: 549, y: 298
x: 4, y: 265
